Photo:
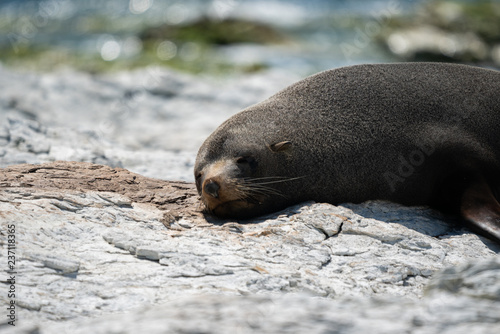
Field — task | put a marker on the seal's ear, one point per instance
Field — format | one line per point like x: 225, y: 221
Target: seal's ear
x: 281, y: 146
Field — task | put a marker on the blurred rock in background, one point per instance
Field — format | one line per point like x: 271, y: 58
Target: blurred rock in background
x: 466, y: 32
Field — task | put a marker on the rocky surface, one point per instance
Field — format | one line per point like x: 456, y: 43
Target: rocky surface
x: 440, y: 312
x: 150, y: 121
x: 100, y: 249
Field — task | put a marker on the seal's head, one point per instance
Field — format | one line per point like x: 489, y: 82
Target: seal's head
x: 240, y: 174
x: 235, y: 183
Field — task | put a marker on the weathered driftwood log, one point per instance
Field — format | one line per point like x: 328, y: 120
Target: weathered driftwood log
x: 177, y: 199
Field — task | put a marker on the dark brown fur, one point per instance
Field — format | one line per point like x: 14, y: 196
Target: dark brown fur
x: 412, y: 133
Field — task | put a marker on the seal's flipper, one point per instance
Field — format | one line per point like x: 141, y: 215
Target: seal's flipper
x: 481, y: 209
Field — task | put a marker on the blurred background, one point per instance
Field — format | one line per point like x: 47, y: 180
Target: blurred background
x: 140, y: 84
x: 231, y: 36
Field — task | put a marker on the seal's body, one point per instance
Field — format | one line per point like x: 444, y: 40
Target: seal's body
x: 412, y: 133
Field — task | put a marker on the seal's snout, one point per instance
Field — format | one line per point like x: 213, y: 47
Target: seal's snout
x: 224, y: 190
x: 211, y: 188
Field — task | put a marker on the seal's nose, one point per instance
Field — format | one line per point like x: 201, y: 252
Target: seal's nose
x: 212, y: 188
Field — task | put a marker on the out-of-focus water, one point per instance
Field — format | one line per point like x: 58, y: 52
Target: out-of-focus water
x: 326, y: 33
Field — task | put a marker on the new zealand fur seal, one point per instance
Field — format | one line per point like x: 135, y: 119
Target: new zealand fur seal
x: 411, y: 133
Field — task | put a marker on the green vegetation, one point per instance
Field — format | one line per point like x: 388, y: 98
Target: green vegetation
x: 218, y: 32
x: 47, y: 59
x: 190, y: 47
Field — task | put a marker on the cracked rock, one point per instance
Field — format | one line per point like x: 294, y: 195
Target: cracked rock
x: 92, y: 244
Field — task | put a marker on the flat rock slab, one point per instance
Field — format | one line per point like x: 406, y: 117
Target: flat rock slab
x: 95, y: 242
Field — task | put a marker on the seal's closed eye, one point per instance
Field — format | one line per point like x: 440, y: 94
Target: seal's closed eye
x: 245, y: 160
x: 247, y: 163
